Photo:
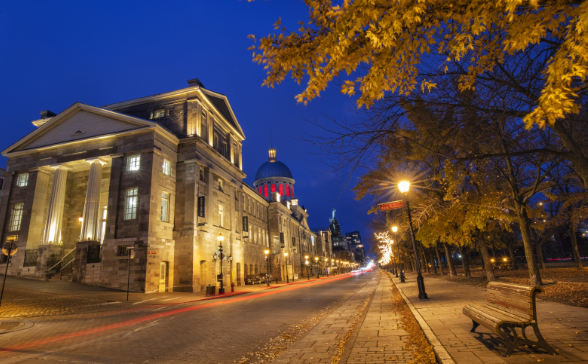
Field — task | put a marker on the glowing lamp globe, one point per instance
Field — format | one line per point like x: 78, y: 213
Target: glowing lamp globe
x: 404, y: 186
x: 394, y: 229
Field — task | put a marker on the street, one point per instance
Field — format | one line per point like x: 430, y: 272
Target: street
x: 210, y: 331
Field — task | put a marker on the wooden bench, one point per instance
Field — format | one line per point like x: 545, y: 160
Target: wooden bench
x: 509, y: 306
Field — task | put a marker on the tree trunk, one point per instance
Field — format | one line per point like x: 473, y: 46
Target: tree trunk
x: 465, y: 258
x: 540, y: 258
x: 439, y: 258
x: 579, y: 162
x: 486, y: 257
x: 432, y: 258
x: 575, y: 250
x: 523, y: 218
x: 424, y: 260
x: 449, y: 261
x: 513, y: 263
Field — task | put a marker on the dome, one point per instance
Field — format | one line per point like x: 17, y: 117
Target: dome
x: 273, y: 169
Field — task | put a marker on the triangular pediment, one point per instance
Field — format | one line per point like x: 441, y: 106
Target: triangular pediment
x: 79, y: 122
x: 222, y: 105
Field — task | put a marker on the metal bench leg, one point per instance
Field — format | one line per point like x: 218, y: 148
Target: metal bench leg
x: 510, y: 337
x: 475, y: 325
x: 540, y: 340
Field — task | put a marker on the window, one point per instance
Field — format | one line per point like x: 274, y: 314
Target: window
x: 16, y: 216
x: 133, y: 162
x: 235, y: 155
x: 165, y: 206
x: 273, y: 188
x: 287, y: 190
x: 293, y: 241
x: 265, y: 190
x: 225, y: 151
x: 167, y: 167
x: 131, y: 203
x: 281, y: 186
x: 121, y: 251
x: 202, y: 175
x: 259, y: 189
x: 221, y: 219
x: 22, y: 180
x: 158, y: 114
x: 220, y: 185
x: 215, y: 142
x: 203, y: 133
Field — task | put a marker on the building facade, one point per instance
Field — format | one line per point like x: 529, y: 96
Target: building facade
x: 355, y: 245
x: 161, y: 175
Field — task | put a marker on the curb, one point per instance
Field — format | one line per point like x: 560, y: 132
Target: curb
x: 441, y: 353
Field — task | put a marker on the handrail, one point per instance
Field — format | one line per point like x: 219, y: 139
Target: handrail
x: 62, y: 259
x: 71, y: 261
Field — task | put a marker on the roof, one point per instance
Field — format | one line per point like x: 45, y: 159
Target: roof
x: 221, y: 106
x: 273, y: 169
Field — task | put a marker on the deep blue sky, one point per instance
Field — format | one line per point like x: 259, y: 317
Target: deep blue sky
x: 53, y: 54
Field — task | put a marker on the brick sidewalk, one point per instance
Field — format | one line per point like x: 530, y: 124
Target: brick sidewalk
x: 564, y: 327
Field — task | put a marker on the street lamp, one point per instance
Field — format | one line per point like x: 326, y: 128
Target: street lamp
x: 266, y: 252
x: 403, y: 187
x: 307, y: 269
x: 286, y: 261
x: 326, y: 260
x: 220, y: 239
x: 317, y: 267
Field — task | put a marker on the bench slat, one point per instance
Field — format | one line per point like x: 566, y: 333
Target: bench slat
x: 510, y: 296
x: 490, y: 314
x: 514, y: 290
x: 527, y: 305
x: 514, y: 316
x: 507, y: 306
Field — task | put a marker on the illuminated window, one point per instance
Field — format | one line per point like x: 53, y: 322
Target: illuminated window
x: 158, y: 114
x: 167, y: 167
x: 23, y: 180
x: 265, y: 190
x: 273, y: 188
x: 165, y: 206
x: 133, y: 162
x: 281, y: 186
x: 292, y: 192
x: 202, y: 175
x: 287, y: 190
x: 220, y: 185
x: 225, y: 150
x: 131, y: 203
x: 259, y: 189
x: 215, y: 142
x: 221, y: 219
x: 16, y: 216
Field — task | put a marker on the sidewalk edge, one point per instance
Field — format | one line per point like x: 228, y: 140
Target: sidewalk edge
x: 441, y: 353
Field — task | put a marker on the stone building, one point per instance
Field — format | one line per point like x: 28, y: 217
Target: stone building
x: 161, y: 174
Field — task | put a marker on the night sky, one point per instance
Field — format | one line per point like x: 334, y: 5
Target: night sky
x: 54, y: 54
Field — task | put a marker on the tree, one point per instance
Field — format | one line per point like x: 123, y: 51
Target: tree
x: 377, y: 48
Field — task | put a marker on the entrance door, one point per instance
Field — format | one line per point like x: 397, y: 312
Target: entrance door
x: 162, y: 276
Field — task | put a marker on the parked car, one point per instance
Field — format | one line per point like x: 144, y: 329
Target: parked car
x: 252, y: 279
x: 265, y: 277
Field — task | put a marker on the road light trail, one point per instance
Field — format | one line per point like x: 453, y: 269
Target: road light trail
x: 154, y: 316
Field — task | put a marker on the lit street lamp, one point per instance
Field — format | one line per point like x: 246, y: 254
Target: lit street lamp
x: 326, y: 260
x: 220, y: 239
x: 307, y: 268
x: 317, y: 266
x: 266, y: 252
x: 403, y: 187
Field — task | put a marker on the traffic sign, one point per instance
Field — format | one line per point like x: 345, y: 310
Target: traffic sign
x: 9, y: 249
x: 391, y: 205
x: 12, y: 238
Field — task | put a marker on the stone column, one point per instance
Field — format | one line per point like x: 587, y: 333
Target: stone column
x: 52, y: 234
x: 91, y: 216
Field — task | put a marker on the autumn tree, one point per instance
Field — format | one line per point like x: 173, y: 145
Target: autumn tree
x: 377, y: 48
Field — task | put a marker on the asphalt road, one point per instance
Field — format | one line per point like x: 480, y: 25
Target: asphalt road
x: 214, y: 331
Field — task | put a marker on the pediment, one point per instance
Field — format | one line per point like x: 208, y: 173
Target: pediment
x: 78, y: 122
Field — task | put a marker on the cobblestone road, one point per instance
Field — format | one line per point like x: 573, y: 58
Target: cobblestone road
x: 215, y: 331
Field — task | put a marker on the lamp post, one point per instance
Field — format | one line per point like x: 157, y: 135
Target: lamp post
x: 317, y: 267
x: 9, y: 249
x: 395, y: 230
x: 326, y: 260
x: 403, y: 187
x: 220, y: 239
x: 307, y: 269
x: 266, y: 252
x: 286, y: 261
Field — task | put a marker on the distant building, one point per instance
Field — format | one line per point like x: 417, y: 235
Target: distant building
x: 339, y: 241
x: 355, y: 245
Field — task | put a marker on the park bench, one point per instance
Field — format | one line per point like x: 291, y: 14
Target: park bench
x: 509, y: 306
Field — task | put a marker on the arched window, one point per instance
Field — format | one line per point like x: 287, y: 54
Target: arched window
x: 292, y: 191
x: 250, y: 268
x: 256, y: 269
x: 259, y: 188
x: 281, y: 186
x: 273, y: 188
x: 245, y: 273
x: 287, y: 190
x: 265, y: 190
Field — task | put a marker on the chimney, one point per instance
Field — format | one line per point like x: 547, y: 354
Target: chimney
x: 195, y: 82
x: 47, y: 114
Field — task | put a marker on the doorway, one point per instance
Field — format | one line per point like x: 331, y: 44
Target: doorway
x: 163, y: 277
